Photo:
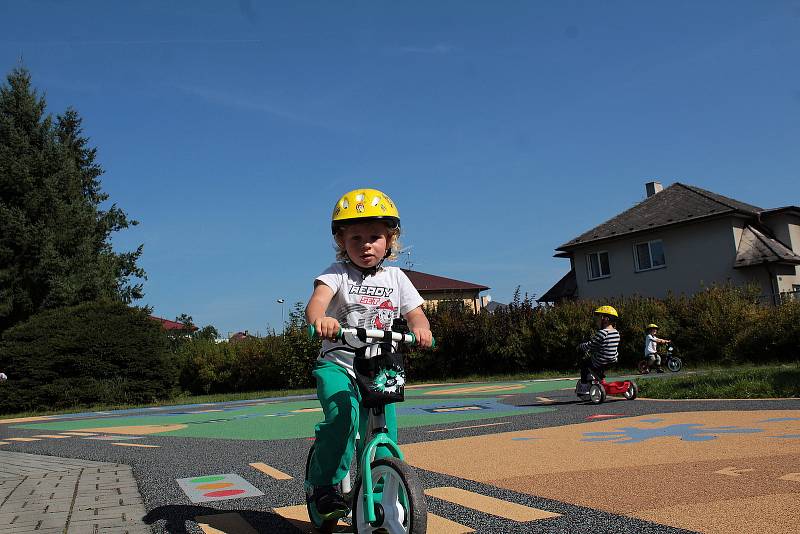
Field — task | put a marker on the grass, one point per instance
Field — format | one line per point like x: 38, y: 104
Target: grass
x: 739, y: 383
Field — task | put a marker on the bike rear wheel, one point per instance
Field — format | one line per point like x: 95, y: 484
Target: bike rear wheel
x: 644, y: 367
x: 399, y: 502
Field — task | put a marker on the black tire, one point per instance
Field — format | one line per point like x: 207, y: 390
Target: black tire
x: 674, y: 364
x: 597, y: 394
x: 324, y: 526
x: 413, y: 522
x: 644, y: 367
x: 632, y: 392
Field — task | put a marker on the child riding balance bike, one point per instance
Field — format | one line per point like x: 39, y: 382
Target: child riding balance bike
x: 359, y: 373
x: 601, y: 353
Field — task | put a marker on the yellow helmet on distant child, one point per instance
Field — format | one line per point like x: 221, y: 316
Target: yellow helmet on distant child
x: 607, y: 310
x: 652, y: 325
x: 360, y: 205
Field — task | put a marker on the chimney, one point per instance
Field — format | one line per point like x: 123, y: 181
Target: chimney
x: 652, y: 188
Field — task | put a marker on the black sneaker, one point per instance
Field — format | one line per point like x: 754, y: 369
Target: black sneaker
x: 659, y: 370
x: 329, y: 502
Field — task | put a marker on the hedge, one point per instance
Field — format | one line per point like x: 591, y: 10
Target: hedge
x: 92, y: 353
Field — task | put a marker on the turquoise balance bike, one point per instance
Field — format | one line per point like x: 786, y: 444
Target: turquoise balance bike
x: 387, y: 496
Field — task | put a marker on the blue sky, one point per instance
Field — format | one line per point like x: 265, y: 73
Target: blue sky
x: 501, y: 129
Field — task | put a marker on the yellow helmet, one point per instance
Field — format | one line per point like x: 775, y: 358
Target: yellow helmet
x: 652, y: 325
x: 607, y: 310
x: 364, y: 204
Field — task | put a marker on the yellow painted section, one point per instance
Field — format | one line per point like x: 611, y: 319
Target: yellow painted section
x: 307, y: 410
x: 143, y: 446
x: 51, y: 436
x: 733, y: 482
x: 457, y: 409
x: 140, y: 430
x: 25, y: 419
x: 270, y: 471
x: 23, y: 439
x: 440, y: 525
x: 80, y: 434
x: 214, y: 485
x: 298, y: 516
x: 490, y: 505
x: 231, y: 523
x: 3, y: 443
x: 475, y: 389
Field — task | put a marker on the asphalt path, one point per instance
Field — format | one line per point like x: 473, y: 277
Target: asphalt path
x: 169, y: 509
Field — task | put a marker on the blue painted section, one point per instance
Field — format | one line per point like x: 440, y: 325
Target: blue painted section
x: 651, y: 420
x: 484, y: 405
x: 786, y: 436
x: 779, y: 419
x: 686, y: 432
x: 522, y: 439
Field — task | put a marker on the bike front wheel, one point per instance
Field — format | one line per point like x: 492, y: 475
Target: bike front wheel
x: 398, y: 500
x: 674, y: 364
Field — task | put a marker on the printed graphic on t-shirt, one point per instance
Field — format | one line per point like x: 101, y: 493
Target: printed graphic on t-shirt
x: 376, y: 291
x: 371, y: 312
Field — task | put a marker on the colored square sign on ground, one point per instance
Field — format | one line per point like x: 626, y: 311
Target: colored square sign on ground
x: 217, y: 488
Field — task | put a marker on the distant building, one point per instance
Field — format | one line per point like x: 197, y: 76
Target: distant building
x: 173, y: 326
x: 681, y: 239
x: 436, y: 289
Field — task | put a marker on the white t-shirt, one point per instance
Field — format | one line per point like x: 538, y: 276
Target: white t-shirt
x: 650, y: 345
x: 371, y: 301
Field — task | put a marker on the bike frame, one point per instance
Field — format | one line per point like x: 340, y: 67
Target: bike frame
x: 379, y: 436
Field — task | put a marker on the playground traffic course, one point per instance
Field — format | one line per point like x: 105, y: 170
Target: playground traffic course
x: 522, y: 456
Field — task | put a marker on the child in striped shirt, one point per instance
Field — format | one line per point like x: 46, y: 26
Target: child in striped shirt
x: 603, y: 346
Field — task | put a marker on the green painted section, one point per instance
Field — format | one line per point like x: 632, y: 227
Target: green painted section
x: 208, y: 479
x: 277, y: 420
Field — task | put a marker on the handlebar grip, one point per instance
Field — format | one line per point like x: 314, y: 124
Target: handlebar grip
x: 313, y: 334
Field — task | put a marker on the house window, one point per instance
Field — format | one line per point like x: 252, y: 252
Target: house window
x: 598, y: 266
x: 650, y: 255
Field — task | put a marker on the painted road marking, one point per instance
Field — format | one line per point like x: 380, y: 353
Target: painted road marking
x: 603, y: 416
x: 298, y: 516
x: 217, y: 488
x: 270, y: 471
x: 466, y: 427
x: 733, y: 471
x: 307, y: 410
x: 3, y: 443
x: 795, y: 477
x: 231, y: 523
x: 490, y: 505
x: 142, y: 445
x: 25, y: 419
x: 51, y: 436
x: 440, y: 525
x: 545, y: 400
x: 135, y: 430
x: 456, y: 409
x: 81, y: 434
x: 475, y: 389
x: 23, y: 439
x: 114, y: 438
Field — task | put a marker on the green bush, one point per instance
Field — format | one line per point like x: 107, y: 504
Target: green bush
x: 90, y: 353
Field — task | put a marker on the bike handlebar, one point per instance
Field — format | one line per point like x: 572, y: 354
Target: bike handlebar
x: 365, y: 335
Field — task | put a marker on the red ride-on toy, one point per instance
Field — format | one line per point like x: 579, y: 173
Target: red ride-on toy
x: 597, y: 389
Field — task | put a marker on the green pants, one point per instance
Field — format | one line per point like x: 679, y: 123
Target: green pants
x: 344, y: 416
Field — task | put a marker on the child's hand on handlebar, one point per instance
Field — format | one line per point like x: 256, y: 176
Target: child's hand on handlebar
x: 327, y: 327
x: 424, y: 337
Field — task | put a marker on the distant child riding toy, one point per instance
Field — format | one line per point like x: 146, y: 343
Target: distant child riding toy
x: 652, y: 359
x: 672, y: 361
x: 600, y: 353
x: 387, y: 497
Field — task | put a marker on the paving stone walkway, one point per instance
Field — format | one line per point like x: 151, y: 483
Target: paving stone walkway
x: 49, y: 495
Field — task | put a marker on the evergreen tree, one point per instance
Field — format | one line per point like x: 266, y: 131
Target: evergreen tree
x: 55, y: 247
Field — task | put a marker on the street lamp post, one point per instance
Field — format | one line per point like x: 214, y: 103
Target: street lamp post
x: 283, y: 319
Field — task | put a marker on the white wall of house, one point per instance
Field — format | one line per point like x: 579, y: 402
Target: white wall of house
x: 697, y: 255
x: 786, y: 228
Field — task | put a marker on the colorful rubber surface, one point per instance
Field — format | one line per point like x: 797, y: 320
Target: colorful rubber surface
x: 497, y: 457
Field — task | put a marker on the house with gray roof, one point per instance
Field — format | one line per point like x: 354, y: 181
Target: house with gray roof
x: 681, y: 239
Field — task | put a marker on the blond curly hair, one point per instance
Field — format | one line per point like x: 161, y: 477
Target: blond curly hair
x: 392, y: 239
